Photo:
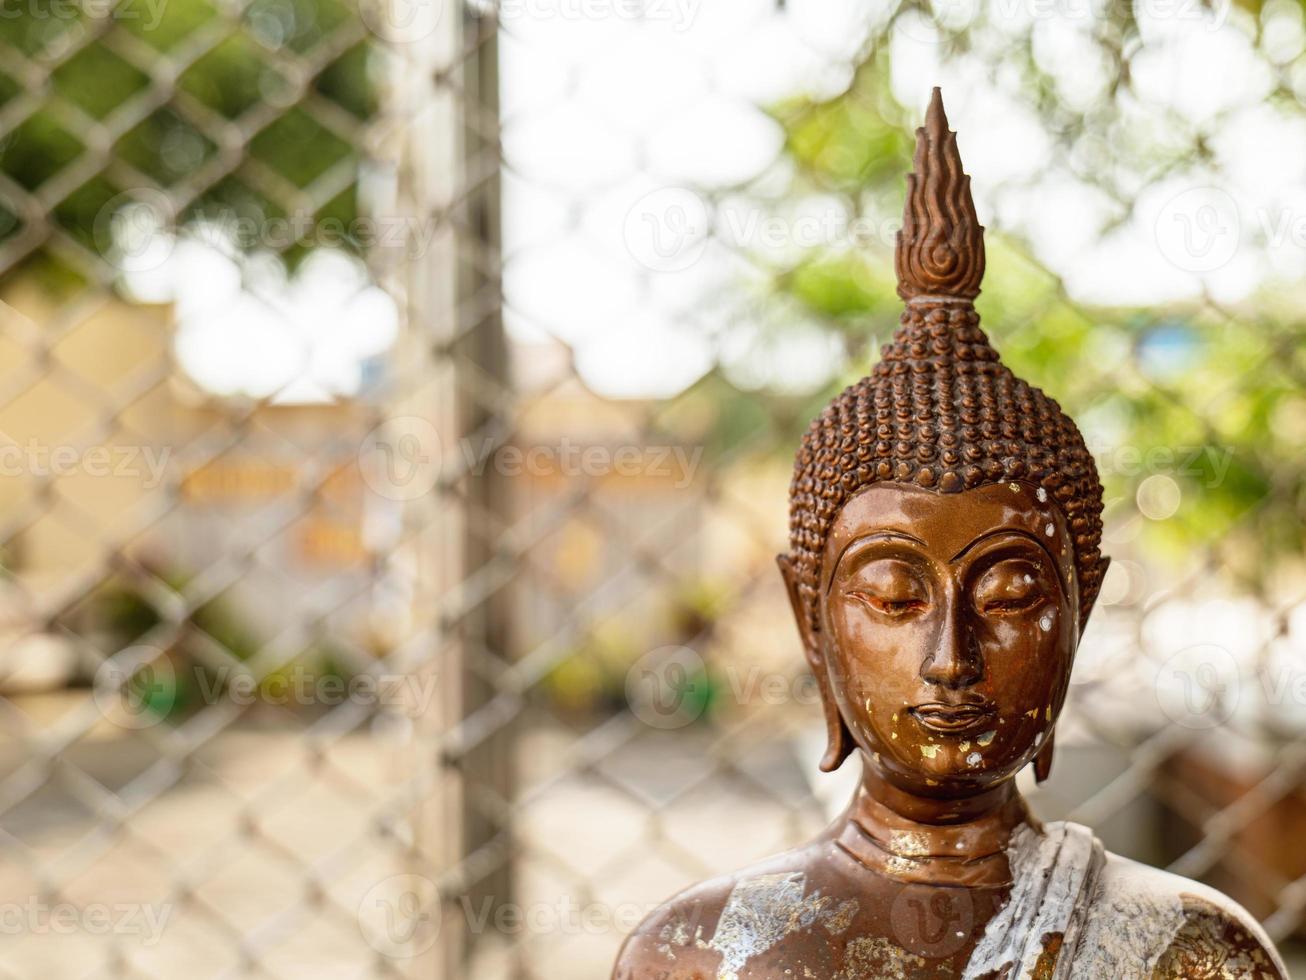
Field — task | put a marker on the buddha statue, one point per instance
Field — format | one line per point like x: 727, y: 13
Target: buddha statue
x: 944, y: 559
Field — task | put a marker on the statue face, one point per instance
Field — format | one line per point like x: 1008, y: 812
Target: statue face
x: 949, y: 625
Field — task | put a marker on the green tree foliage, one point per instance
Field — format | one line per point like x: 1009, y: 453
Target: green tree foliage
x: 250, y: 118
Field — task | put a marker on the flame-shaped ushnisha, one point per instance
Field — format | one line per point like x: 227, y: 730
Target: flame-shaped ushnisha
x: 940, y: 253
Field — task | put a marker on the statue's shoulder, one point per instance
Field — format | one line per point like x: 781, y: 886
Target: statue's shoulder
x: 1187, y: 930
x: 737, y: 916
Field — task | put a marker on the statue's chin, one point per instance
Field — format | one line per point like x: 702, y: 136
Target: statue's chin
x: 943, y: 779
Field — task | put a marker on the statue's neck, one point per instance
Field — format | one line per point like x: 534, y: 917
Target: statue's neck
x: 943, y: 842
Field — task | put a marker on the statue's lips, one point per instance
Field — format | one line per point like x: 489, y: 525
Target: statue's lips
x: 954, y: 719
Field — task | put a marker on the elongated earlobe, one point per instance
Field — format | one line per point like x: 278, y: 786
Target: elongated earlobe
x: 1043, y: 761
x: 839, y: 741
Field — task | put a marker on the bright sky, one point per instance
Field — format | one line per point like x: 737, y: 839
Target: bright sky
x: 244, y: 327
x: 612, y: 125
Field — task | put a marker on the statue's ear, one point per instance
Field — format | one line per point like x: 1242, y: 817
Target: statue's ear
x: 1084, y: 614
x: 839, y: 744
x: 806, y: 632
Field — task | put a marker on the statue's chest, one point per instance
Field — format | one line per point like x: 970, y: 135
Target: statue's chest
x: 887, y: 932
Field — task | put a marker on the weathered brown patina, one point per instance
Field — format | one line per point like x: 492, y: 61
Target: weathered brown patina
x: 944, y: 559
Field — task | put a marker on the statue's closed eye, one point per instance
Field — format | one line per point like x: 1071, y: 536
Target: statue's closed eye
x: 890, y: 587
x: 889, y: 606
x: 1009, y: 588
x: 1000, y: 606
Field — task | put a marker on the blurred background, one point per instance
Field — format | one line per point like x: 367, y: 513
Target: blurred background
x: 397, y: 404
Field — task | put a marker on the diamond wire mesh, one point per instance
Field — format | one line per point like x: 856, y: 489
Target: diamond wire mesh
x: 603, y: 702
x: 221, y: 700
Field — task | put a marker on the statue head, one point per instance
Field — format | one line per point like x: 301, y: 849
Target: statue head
x: 945, y: 522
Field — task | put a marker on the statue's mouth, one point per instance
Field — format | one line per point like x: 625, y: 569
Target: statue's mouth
x: 954, y: 719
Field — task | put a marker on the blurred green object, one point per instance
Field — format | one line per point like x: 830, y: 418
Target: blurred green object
x: 122, y: 616
x: 235, y: 87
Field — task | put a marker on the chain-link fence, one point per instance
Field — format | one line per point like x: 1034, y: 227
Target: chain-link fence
x: 241, y: 244
x: 398, y: 405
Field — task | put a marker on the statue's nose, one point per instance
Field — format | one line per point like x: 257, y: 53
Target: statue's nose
x: 955, y: 661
